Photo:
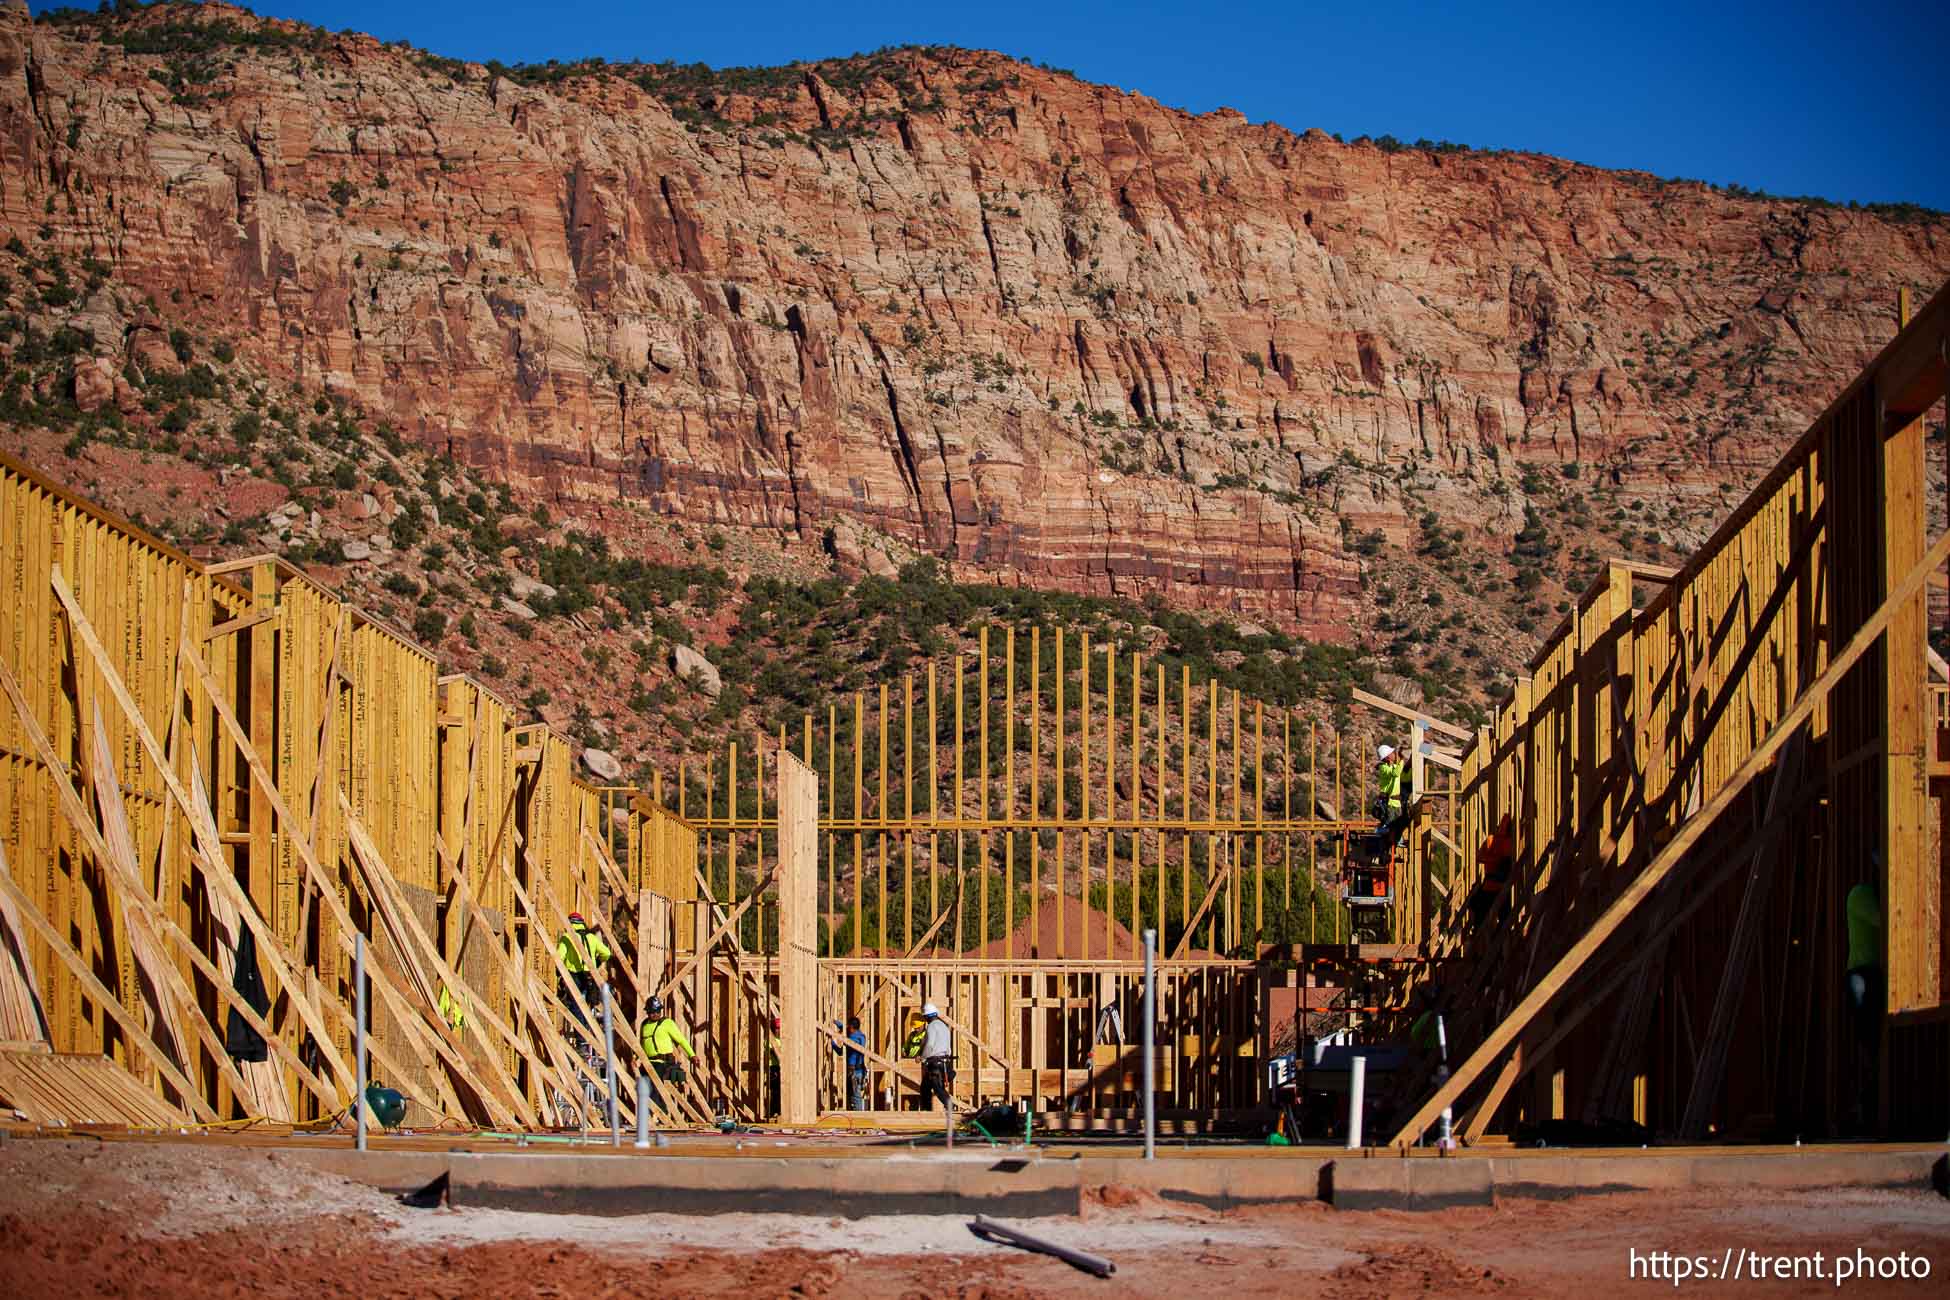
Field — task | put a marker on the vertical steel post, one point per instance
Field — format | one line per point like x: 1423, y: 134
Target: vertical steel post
x: 609, y: 1067
x: 1445, y: 1139
x: 1150, y: 1052
x: 1357, y: 1089
x: 643, y: 1109
x: 359, y: 1028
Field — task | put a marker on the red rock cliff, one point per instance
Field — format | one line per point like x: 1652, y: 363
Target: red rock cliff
x: 1056, y: 332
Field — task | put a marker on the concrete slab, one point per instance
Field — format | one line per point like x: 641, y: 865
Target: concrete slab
x: 1392, y: 1183
x: 1818, y: 1167
x: 861, y: 1182
x: 389, y: 1171
x: 1012, y: 1187
x: 1216, y: 1184
x: 1555, y: 1177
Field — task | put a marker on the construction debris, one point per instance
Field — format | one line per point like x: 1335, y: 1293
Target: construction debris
x: 990, y: 1230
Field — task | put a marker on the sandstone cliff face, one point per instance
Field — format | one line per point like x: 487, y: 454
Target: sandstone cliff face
x: 1054, y: 332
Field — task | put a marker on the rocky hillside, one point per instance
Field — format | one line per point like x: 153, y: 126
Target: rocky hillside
x: 941, y: 303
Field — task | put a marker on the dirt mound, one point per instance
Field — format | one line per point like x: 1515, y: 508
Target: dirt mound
x: 1410, y: 1270
x: 1080, y: 929
x: 346, y: 1257
x: 170, y: 1189
x: 1115, y: 1196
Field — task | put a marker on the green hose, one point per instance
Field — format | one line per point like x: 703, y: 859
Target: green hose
x: 534, y: 1137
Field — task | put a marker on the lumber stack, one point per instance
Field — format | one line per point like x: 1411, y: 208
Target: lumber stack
x: 61, y: 1091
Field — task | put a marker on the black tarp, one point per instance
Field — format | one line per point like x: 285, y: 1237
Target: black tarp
x: 239, y: 1039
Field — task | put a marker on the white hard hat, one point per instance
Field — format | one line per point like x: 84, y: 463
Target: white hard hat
x: 1385, y: 751
x: 929, y: 1010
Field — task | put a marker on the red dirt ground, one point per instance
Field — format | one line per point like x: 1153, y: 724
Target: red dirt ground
x: 120, y: 1219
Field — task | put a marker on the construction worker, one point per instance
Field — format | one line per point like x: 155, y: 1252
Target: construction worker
x: 587, y: 975
x: 1497, y: 856
x: 772, y: 1071
x: 917, y: 1038
x: 856, y: 1065
x: 1387, y: 785
x: 1425, y: 1031
x: 1864, y: 995
x: 937, y: 1058
x: 662, y: 1039
x: 451, y: 1010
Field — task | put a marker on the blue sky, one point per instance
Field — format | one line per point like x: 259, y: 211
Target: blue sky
x: 1840, y: 100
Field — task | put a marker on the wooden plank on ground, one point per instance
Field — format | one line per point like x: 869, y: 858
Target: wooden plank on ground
x: 22, y: 1017
x: 60, y: 1090
x: 111, y: 1006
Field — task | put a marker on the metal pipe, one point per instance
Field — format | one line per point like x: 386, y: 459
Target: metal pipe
x: 609, y: 1067
x: 1445, y: 1132
x: 1357, y: 1089
x: 643, y: 1109
x: 1150, y: 1052
x: 986, y: 1227
x: 359, y: 1029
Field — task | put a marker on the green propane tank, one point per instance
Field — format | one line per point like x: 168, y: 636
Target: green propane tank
x: 386, y: 1105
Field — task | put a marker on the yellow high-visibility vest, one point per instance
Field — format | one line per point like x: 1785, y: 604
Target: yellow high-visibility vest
x: 663, y: 1038
x: 566, y: 953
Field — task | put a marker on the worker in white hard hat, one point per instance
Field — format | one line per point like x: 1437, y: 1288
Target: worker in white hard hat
x: 1388, y: 784
x: 937, y: 1058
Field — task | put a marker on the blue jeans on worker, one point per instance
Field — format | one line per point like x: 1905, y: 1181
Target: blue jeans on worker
x: 856, y: 1089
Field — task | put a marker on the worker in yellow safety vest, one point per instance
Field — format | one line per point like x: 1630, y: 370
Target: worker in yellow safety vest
x: 451, y: 1010
x: 587, y: 975
x: 1388, y: 784
x: 662, y: 1039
